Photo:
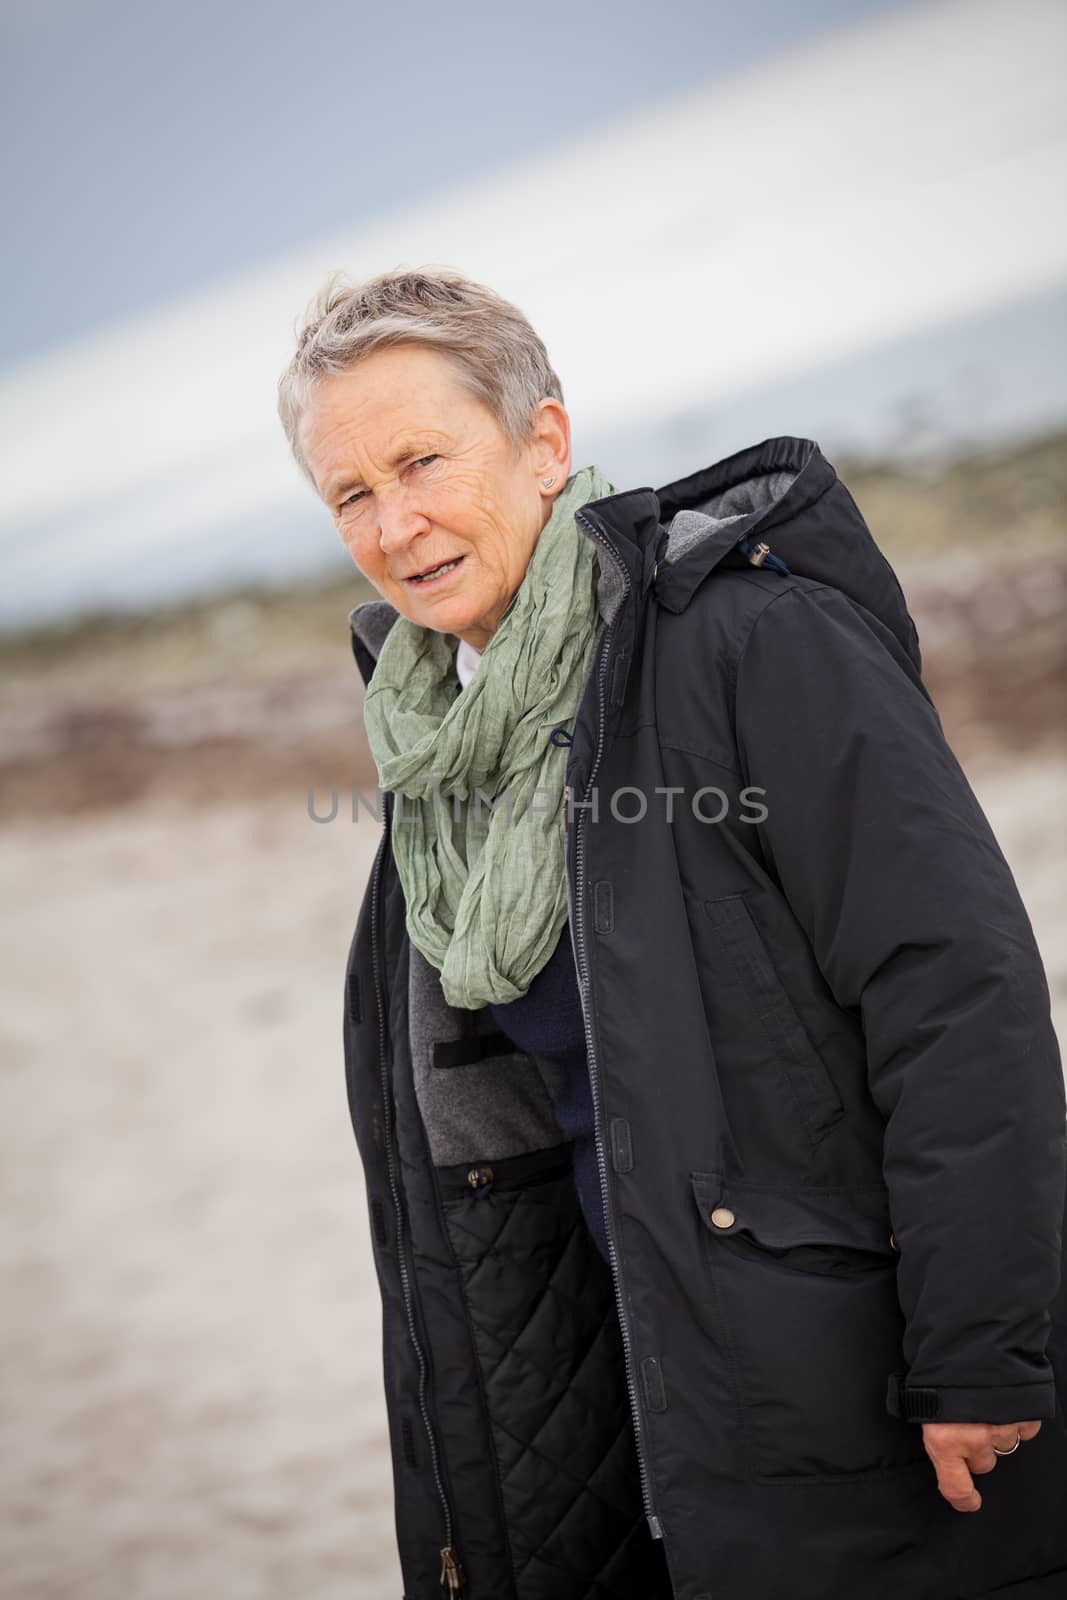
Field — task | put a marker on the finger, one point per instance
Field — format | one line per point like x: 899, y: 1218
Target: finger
x: 956, y: 1484
x: 1029, y: 1430
x: 1004, y: 1437
x: 983, y: 1459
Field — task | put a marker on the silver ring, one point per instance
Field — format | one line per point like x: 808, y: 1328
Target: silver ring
x: 1011, y: 1452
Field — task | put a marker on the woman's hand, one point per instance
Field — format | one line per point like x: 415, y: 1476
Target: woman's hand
x: 960, y: 1449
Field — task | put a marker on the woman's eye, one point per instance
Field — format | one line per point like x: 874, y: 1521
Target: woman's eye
x: 361, y: 494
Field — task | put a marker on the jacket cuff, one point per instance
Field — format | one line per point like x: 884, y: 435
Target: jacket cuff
x: 1021, y: 1402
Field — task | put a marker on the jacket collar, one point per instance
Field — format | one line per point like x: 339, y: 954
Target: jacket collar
x: 750, y: 492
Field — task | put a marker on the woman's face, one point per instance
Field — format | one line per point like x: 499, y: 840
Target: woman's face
x: 418, y: 474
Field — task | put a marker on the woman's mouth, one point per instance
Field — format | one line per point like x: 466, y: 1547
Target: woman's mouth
x: 433, y: 575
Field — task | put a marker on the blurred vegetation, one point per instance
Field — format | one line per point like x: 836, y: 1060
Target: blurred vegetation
x: 254, y: 691
x: 992, y: 504
x: 988, y: 502
x: 247, y: 631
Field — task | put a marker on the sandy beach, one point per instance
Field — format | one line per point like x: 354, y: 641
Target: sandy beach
x: 191, y: 1377
x: 192, y: 1383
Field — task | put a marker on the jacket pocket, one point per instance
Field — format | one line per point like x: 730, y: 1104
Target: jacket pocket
x: 812, y: 1089
x: 805, y: 1287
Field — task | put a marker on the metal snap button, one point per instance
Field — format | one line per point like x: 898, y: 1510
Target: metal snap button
x: 723, y: 1217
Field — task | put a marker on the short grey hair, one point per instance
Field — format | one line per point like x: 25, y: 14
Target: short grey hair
x: 496, y: 354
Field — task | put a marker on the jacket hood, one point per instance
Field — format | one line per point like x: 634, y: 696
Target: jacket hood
x: 783, y: 493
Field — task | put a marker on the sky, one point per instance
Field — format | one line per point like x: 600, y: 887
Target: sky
x: 836, y: 219
x: 148, y: 148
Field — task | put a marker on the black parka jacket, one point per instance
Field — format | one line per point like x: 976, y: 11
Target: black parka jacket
x: 829, y: 1105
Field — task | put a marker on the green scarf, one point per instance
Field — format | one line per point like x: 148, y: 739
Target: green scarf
x: 486, y: 887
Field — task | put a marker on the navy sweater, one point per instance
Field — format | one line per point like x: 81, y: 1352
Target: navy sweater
x: 547, y: 1021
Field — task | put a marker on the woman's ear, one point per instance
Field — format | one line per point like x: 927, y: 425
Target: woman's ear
x: 551, y: 446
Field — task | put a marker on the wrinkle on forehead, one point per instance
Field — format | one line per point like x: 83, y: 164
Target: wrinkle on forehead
x: 404, y: 412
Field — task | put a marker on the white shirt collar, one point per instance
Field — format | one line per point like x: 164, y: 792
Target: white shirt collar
x: 467, y: 659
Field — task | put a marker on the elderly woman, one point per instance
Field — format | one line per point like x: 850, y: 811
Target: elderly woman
x: 698, y: 1047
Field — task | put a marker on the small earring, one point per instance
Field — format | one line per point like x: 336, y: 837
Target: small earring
x: 548, y: 482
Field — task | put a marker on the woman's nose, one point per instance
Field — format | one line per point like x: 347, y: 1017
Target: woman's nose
x: 399, y: 523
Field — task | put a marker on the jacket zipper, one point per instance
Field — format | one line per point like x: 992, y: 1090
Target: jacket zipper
x: 452, y: 1578
x: 654, y: 1525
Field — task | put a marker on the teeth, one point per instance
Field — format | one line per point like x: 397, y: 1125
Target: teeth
x: 435, y: 572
